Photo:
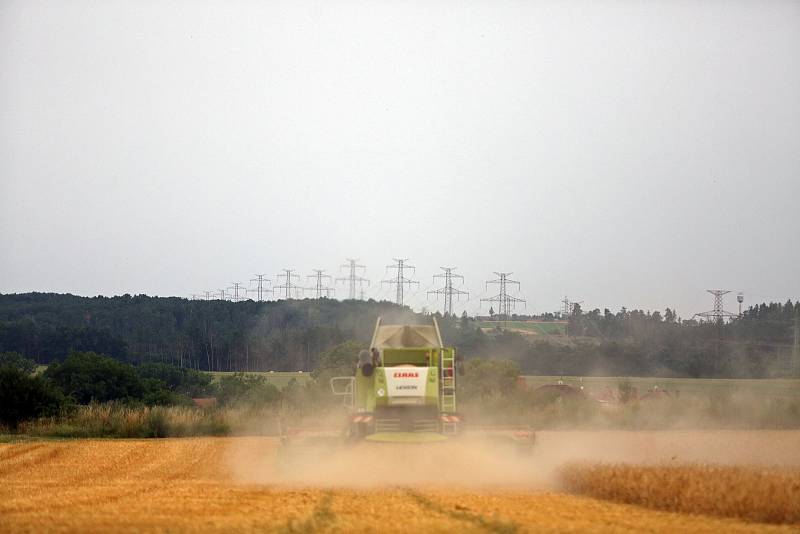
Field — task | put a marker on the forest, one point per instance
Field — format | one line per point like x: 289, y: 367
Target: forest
x: 290, y: 335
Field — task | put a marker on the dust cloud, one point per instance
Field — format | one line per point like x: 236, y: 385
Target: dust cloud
x: 484, y: 462
x: 312, y: 462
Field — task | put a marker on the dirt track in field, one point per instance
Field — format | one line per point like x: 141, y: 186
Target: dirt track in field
x: 201, y: 484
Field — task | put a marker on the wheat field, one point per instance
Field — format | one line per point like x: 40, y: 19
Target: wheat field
x: 193, y: 485
x: 767, y: 495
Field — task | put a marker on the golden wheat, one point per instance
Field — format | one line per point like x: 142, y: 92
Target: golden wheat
x: 755, y: 494
x: 188, y: 485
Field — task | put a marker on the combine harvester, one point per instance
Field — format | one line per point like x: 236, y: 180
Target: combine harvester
x: 404, y: 391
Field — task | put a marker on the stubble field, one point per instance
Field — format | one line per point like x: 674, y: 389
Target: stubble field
x: 238, y: 484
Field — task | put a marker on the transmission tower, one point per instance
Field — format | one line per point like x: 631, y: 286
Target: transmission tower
x: 237, y: 287
x: 290, y: 289
x: 718, y: 314
x: 568, y: 307
x: 505, y: 302
x: 400, y: 281
x: 320, y: 288
x: 448, y: 290
x: 260, y: 289
x: 567, y: 310
x: 223, y: 295
x: 207, y: 295
x: 353, y: 279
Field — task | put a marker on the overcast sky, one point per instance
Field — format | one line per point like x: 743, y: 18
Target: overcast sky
x: 621, y: 153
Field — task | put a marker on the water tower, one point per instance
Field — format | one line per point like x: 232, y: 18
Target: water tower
x: 740, y: 299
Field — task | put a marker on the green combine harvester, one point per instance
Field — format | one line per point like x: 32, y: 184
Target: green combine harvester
x: 403, y: 391
x: 404, y: 388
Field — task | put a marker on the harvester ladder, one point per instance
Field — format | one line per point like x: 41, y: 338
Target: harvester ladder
x: 448, y: 390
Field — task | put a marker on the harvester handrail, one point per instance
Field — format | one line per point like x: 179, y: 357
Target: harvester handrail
x: 347, y: 392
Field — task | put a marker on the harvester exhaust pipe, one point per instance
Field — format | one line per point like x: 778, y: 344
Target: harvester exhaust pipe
x: 365, y: 362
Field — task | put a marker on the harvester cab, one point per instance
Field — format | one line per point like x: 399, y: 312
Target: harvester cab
x: 404, y: 388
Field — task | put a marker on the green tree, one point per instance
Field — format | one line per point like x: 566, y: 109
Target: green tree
x: 25, y: 397
x: 339, y: 360
x: 485, y: 378
x: 87, y: 377
x: 250, y: 390
x: 15, y: 359
x: 180, y: 380
x: 575, y: 324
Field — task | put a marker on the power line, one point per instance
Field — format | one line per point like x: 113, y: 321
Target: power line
x: 506, y: 302
x: 353, y: 279
x: 448, y: 290
x: 320, y: 288
x: 222, y: 294
x: 400, y: 281
x: 291, y: 290
x: 260, y: 289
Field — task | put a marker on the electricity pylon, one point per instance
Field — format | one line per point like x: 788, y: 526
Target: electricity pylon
x: 236, y: 287
x: 353, y: 279
x: 568, y: 307
x: 260, y: 289
x: 320, y: 288
x: 718, y: 314
x: 400, y: 281
x: 290, y: 289
x: 505, y: 301
x: 448, y: 290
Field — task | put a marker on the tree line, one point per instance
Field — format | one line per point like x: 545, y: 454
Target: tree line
x: 84, y: 378
x: 290, y: 335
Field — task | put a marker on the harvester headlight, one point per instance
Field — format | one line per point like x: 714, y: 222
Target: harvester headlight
x: 381, y: 392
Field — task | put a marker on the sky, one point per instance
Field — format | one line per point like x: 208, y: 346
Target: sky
x: 621, y: 153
